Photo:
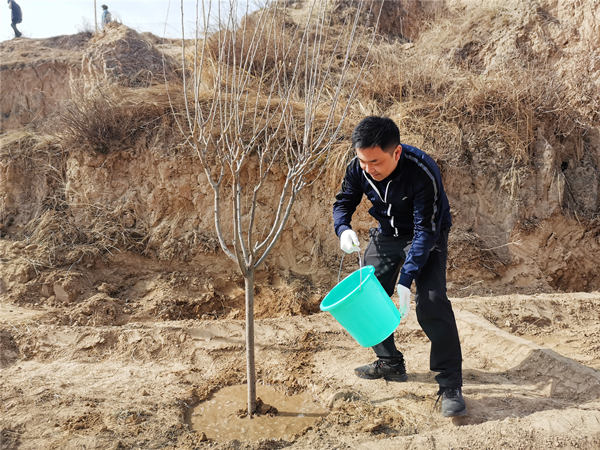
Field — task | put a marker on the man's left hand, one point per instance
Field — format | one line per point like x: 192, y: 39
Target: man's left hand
x: 403, y: 300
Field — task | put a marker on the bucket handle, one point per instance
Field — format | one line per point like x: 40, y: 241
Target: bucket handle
x: 360, y: 265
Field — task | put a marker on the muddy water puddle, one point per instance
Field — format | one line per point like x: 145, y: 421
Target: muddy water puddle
x: 218, y: 417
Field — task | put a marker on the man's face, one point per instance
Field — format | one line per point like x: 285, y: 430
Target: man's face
x: 376, y: 162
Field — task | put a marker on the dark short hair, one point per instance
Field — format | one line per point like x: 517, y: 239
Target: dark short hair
x: 375, y: 131
x: 104, y: 7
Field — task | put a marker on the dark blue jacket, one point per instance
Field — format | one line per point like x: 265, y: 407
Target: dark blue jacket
x: 16, y: 14
x: 411, y: 201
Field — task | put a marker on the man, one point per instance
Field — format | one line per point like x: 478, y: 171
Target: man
x: 106, y: 16
x: 16, y: 16
x: 408, y: 200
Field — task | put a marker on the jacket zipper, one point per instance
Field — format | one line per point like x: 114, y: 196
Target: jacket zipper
x: 389, y: 210
x: 384, y: 198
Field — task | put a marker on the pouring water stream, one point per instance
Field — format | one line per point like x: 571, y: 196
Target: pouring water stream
x: 360, y: 265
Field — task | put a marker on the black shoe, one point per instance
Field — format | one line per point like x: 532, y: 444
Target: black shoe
x: 382, y: 369
x: 453, y: 403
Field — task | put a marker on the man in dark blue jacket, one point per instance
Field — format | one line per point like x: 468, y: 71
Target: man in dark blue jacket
x: 16, y: 16
x: 408, y: 200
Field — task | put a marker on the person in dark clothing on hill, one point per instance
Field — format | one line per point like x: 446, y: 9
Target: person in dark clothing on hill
x: 405, y: 188
x: 16, y: 16
x: 106, y: 16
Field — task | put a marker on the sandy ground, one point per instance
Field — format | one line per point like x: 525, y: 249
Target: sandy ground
x: 531, y: 369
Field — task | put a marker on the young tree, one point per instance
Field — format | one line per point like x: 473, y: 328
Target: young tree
x: 265, y: 97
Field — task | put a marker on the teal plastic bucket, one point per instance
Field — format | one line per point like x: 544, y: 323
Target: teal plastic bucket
x: 363, y: 308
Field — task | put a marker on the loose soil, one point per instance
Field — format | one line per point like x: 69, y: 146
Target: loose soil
x: 530, y: 369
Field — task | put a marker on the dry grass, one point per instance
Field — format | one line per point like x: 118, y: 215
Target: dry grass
x: 63, y: 235
x: 27, y: 146
x: 63, y: 239
x: 107, y: 118
x: 277, y: 40
x: 33, y: 165
x: 270, y: 46
x: 444, y: 101
x: 122, y: 55
x: 399, y: 20
x: 435, y: 87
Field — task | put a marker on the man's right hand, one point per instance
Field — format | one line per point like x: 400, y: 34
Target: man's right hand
x: 349, y: 241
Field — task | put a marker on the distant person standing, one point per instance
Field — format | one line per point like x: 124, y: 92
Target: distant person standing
x: 106, y: 16
x: 16, y: 16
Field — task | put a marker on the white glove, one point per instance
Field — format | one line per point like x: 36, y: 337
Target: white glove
x: 349, y: 241
x: 403, y: 300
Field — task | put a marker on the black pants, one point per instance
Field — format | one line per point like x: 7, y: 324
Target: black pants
x: 434, y: 311
x: 14, y: 27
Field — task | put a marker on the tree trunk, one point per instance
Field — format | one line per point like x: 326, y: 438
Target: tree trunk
x: 95, y: 18
x: 250, y: 366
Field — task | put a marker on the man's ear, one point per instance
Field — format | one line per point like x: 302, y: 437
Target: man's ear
x: 397, y: 153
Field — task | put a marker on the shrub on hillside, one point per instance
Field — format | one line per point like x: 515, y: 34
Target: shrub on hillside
x: 110, y: 118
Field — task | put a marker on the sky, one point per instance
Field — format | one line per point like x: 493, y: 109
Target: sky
x: 46, y: 18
